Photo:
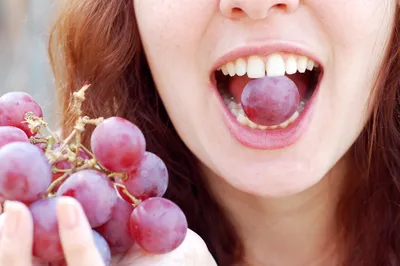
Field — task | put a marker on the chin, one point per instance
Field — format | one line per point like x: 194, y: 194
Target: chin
x: 260, y: 182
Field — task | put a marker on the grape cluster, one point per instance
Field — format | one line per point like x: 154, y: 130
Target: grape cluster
x: 119, y: 184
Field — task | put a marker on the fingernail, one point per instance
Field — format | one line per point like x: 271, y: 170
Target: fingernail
x: 12, y: 218
x: 68, y: 213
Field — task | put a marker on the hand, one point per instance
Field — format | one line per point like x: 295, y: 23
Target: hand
x: 16, y: 231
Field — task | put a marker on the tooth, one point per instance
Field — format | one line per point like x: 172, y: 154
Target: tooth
x: 231, y: 69
x: 232, y: 105
x: 241, y: 67
x: 284, y: 124
x: 310, y: 64
x: 235, y: 112
x: 255, y: 67
x: 294, y: 117
x: 302, y: 64
x: 224, y: 70
x: 242, y: 119
x: 272, y: 127
x: 262, y: 127
x: 275, y: 65
x: 252, y: 124
x: 291, y: 65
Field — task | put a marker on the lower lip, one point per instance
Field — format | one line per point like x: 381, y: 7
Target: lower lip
x: 268, y: 139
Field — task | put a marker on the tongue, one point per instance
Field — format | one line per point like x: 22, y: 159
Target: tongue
x: 268, y: 101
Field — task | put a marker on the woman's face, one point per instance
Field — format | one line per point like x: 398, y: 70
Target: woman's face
x: 187, y: 41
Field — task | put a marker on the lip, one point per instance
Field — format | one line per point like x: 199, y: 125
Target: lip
x: 267, y: 139
x: 264, y: 50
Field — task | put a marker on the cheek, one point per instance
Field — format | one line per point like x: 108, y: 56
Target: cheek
x: 168, y: 28
x: 347, y: 20
x: 358, y: 31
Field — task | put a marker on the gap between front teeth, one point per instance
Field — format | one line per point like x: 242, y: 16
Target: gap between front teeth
x: 273, y: 65
x: 237, y: 111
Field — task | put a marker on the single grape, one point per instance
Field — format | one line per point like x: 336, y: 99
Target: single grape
x: 14, y: 106
x: 270, y: 100
x: 116, y: 230
x: 46, y: 239
x: 149, y: 179
x: 94, y: 192
x: 158, y: 225
x: 118, y: 144
x: 103, y: 248
x: 11, y: 134
x: 25, y: 173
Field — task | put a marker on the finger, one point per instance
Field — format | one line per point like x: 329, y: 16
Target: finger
x: 16, y: 235
x: 76, y: 235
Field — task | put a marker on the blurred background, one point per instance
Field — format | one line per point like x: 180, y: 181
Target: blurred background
x: 24, y: 26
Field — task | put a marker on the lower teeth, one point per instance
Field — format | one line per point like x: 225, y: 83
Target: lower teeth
x: 237, y: 111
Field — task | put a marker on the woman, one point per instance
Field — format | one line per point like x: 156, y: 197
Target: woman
x: 320, y: 190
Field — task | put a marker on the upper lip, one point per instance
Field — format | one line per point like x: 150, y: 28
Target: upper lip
x: 263, y: 50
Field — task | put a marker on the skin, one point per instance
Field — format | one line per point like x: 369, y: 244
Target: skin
x: 282, y: 201
x: 286, y: 216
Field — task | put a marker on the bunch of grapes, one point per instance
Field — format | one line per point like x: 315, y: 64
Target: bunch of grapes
x: 118, y: 183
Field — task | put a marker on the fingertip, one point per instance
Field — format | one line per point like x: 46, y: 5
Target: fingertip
x: 16, y: 234
x: 22, y: 218
x: 68, y: 212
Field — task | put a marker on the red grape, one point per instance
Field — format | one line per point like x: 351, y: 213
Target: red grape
x: 149, y: 179
x: 158, y: 225
x: 270, y: 100
x: 46, y: 239
x: 116, y: 230
x: 118, y: 144
x: 94, y: 192
x: 14, y: 106
x: 12, y: 134
x: 25, y: 173
x: 102, y: 247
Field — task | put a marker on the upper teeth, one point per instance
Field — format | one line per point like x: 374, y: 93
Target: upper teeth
x: 272, y: 66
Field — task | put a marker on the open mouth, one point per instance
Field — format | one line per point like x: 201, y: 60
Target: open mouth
x: 233, y: 78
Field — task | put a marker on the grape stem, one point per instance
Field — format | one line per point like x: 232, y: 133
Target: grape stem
x: 52, y: 134
x: 56, y: 170
x: 68, y: 139
x: 86, y: 150
x: 34, y: 140
x: 55, y: 183
x: 71, y: 146
x: 135, y: 201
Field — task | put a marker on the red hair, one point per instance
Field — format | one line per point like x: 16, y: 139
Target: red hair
x: 99, y: 42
